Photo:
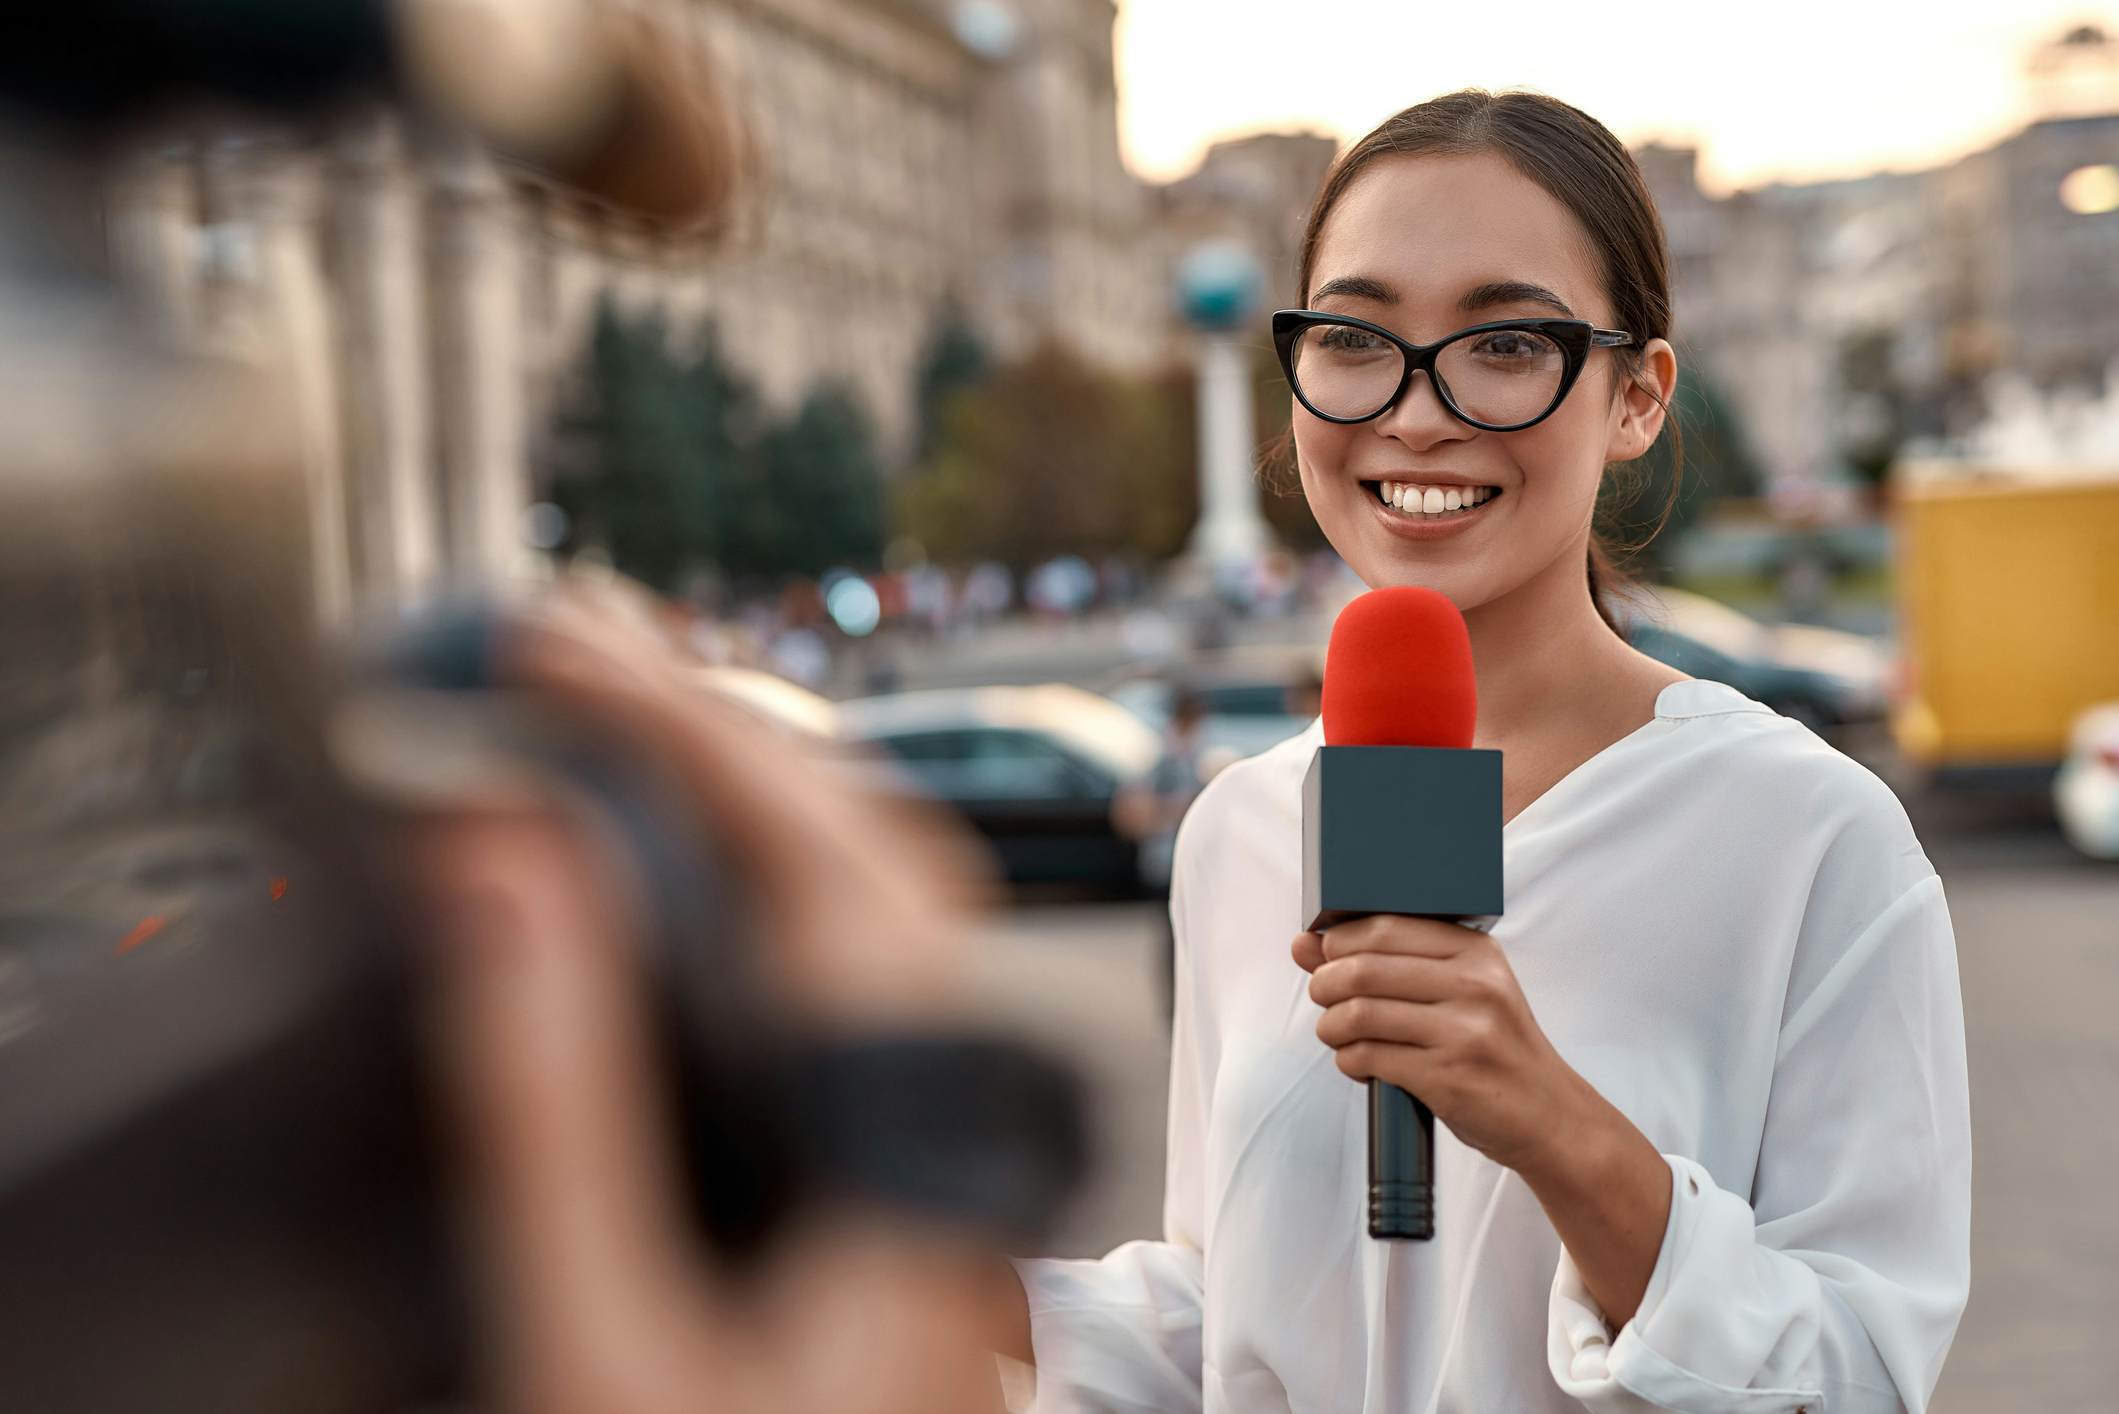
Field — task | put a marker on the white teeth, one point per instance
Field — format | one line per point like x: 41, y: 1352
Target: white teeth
x: 1432, y: 500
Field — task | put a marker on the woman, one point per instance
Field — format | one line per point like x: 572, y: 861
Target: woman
x: 1703, y: 1139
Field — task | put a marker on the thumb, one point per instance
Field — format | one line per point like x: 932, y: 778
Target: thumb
x: 1309, y: 951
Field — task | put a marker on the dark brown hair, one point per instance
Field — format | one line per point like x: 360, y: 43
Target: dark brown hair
x: 1590, y: 172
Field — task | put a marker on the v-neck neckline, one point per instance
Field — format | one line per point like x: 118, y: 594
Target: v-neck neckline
x: 1659, y: 715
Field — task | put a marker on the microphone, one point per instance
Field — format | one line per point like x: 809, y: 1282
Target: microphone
x: 1400, y: 815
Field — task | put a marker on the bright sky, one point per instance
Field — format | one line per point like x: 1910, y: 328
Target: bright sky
x: 1795, y: 89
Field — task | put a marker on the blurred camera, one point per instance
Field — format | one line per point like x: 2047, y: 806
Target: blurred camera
x: 220, y: 1176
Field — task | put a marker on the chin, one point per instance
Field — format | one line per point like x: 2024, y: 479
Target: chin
x: 1379, y: 568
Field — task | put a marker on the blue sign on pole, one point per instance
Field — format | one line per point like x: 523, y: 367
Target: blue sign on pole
x: 1219, y: 285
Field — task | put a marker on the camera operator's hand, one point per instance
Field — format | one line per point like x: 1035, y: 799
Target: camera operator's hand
x: 595, y: 1296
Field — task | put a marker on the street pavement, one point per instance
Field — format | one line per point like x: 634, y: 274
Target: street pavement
x: 2038, y: 947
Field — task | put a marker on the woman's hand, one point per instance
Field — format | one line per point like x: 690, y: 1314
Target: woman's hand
x: 1435, y: 1009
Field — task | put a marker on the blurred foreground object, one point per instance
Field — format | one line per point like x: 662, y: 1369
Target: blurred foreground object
x: 2008, y: 613
x: 217, y: 1149
x: 578, y: 91
x: 256, y: 897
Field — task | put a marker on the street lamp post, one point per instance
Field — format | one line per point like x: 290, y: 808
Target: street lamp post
x: 1218, y: 286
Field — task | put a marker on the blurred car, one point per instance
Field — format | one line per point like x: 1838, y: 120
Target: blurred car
x: 2086, y: 791
x: 1034, y: 770
x: 1252, y: 701
x: 1821, y: 677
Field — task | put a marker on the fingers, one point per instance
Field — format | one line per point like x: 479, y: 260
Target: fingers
x: 864, y: 898
x: 608, y: 673
x: 571, y: 1189
x: 1394, y: 933
x: 1412, y: 979
x: 1380, y: 1019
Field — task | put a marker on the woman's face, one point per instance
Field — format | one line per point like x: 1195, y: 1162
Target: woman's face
x: 1425, y: 246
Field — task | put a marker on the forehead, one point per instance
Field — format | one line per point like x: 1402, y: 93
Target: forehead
x: 1433, y: 227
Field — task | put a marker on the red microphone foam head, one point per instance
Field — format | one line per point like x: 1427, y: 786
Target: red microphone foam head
x: 1399, y: 672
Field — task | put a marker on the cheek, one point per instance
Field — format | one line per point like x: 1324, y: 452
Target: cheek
x: 1562, y: 459
x: 1322, y: 450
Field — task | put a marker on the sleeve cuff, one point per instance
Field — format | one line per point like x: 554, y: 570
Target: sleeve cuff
x: 1693, y: 1309
x: 1120, y: 1332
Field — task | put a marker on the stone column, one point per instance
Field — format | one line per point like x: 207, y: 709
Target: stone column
x: 475, y: 303
x: 375, y: 223
x: 155, y: 217
x: 266, y: 218
x: 1231, y: 531
x: 1218, y: 284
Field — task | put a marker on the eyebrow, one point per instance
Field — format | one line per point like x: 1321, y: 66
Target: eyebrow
x: 1495, y: 292
x: 1486, y: 296
x: 1358, y: 286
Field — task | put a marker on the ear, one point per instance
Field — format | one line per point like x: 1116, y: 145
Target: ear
x: 1640, y: 415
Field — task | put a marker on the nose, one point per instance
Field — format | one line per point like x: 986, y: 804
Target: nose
x: 1418, y: 419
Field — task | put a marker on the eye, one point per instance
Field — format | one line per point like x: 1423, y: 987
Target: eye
x: 1341, y: 338
x: 1513, y: 348
x: 1504, y: 343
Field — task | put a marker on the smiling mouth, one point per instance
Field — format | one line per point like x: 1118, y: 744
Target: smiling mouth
x: 1431, y: 502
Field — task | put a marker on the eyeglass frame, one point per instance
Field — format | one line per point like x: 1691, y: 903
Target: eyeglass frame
x: 1576, y: 339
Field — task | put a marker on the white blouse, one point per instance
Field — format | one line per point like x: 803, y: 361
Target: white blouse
x: 1730, y: 930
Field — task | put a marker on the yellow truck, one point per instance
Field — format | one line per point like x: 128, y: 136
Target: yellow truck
x: 2008, y: 596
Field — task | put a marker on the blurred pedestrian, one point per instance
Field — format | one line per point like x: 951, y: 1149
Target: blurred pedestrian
x: 1151, y: 810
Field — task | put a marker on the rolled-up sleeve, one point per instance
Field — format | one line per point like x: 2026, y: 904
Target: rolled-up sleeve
x: 1120, y: 1334
x: 1839, y: 1284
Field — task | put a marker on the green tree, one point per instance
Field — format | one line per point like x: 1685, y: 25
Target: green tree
x: 1048, y: 457
x: 636, y: 482
x: 818, y: 501
x: 1877, y: 403
x: 671, y: 464
x: 954, y: 359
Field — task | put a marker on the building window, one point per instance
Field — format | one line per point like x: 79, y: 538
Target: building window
x: 2091, y: 191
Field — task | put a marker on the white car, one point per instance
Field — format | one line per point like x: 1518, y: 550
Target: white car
x: 2086, y: 792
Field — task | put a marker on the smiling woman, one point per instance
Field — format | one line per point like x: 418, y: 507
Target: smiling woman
x: 1596, y: 217
x: 1703, y: 1139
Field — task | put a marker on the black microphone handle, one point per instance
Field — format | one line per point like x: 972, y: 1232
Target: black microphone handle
x: 1401, y: 1165
x: 1402, y: 1154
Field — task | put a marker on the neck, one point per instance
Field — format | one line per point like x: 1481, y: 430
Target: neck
x: 1538, y: 649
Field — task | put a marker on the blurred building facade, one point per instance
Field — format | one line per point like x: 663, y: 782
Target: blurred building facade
x: 911, y: 158
x: 916, y: 159
x: 1824, y: 310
